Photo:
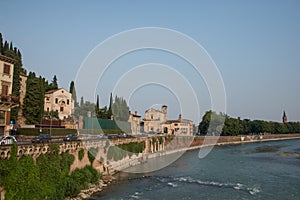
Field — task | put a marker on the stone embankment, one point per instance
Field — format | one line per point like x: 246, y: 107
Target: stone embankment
x: 194, y: 143
x: 93, y: 188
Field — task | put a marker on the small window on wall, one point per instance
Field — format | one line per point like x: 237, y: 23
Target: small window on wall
x: 68, y: 101
x: 2, y: 117
x: 4, y: 90
x: 61, y: 109
x: 56, y: 100
x: 6, y: 69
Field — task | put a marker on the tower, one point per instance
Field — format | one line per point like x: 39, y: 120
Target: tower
x: 284, y: 118
x: 164, y: 110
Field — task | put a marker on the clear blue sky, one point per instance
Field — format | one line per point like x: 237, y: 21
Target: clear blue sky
x: 255, y: 44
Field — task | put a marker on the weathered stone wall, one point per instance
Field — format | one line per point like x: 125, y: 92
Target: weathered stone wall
x: 97, y: 148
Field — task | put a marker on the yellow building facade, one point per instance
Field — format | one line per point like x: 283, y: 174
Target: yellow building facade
x: 59, y: 100
x: 7, y: 101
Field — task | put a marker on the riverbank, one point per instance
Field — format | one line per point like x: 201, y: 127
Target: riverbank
x: 93, y: 188
x: 258, y: 170
x: 197, y: 143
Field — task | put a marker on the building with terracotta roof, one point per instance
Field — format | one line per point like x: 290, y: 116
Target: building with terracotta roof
x: 134, y: 120
x: 178, y: 127
x: 59, y: 100
x: 154, y: 119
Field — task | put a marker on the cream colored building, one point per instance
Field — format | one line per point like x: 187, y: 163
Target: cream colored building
x: 178, y: 127
x: 134, y: 120
x: 7, y: 101
x: 154, y: 119
x: 59, y: 100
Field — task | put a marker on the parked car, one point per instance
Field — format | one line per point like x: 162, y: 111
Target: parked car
x: 42, y: 138
x: 71, y: 137
x: 6, y: 140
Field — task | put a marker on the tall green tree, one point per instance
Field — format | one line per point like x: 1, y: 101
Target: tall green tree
x: 1, y: 43
x: 5, y: 47
x: 81, y: 101
x: 54, y: 82
x: 120, y: 109
x: 110, y: 112
x: 97, y: 107
x: 73, y: 92
x: 212, y: 123
x: 34, y: 99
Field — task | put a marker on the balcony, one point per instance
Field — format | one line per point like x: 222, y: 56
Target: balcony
x: 8, y: 101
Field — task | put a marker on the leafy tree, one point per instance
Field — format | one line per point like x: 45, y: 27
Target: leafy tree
x: 232, y: 127
x: 236, y: 126
x: 51, y: 114
x: 211, y: 124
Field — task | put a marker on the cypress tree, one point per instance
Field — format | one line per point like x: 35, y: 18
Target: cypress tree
x: 1, y: 44
x: 33, y: 100
x: 5, y: 47
x: 73, y: 92
x: 54, y: 82
x: 81, y: 101
x: 97, y: 105
x: 11, y: 46
x: 110, y: 111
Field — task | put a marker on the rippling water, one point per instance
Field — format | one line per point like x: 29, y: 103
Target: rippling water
x: 267, y: 170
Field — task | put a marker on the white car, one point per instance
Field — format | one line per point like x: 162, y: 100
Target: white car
x: 7, y: 140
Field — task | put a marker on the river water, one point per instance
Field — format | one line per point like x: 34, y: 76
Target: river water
x: 265, y: 170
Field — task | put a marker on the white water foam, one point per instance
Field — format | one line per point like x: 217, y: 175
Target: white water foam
x: 235, y: 186
x: 172, y: 184
x: 253, y: 191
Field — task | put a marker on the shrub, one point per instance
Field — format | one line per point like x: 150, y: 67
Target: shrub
x: 80, y: 154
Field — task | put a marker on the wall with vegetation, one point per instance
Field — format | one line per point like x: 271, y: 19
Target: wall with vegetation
x: 47, y: 177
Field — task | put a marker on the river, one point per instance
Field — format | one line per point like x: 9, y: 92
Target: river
x: 264, y: 170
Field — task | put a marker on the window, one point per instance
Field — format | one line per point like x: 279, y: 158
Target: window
x: 48, y: 109
x: 6, y: 69
x: 2, y: 117
x: 47, y: 99
x: 68, y: 101
x: 151, y: 116
x: 4, y: 91
x: 56, y: 100
x: 61, y: 109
